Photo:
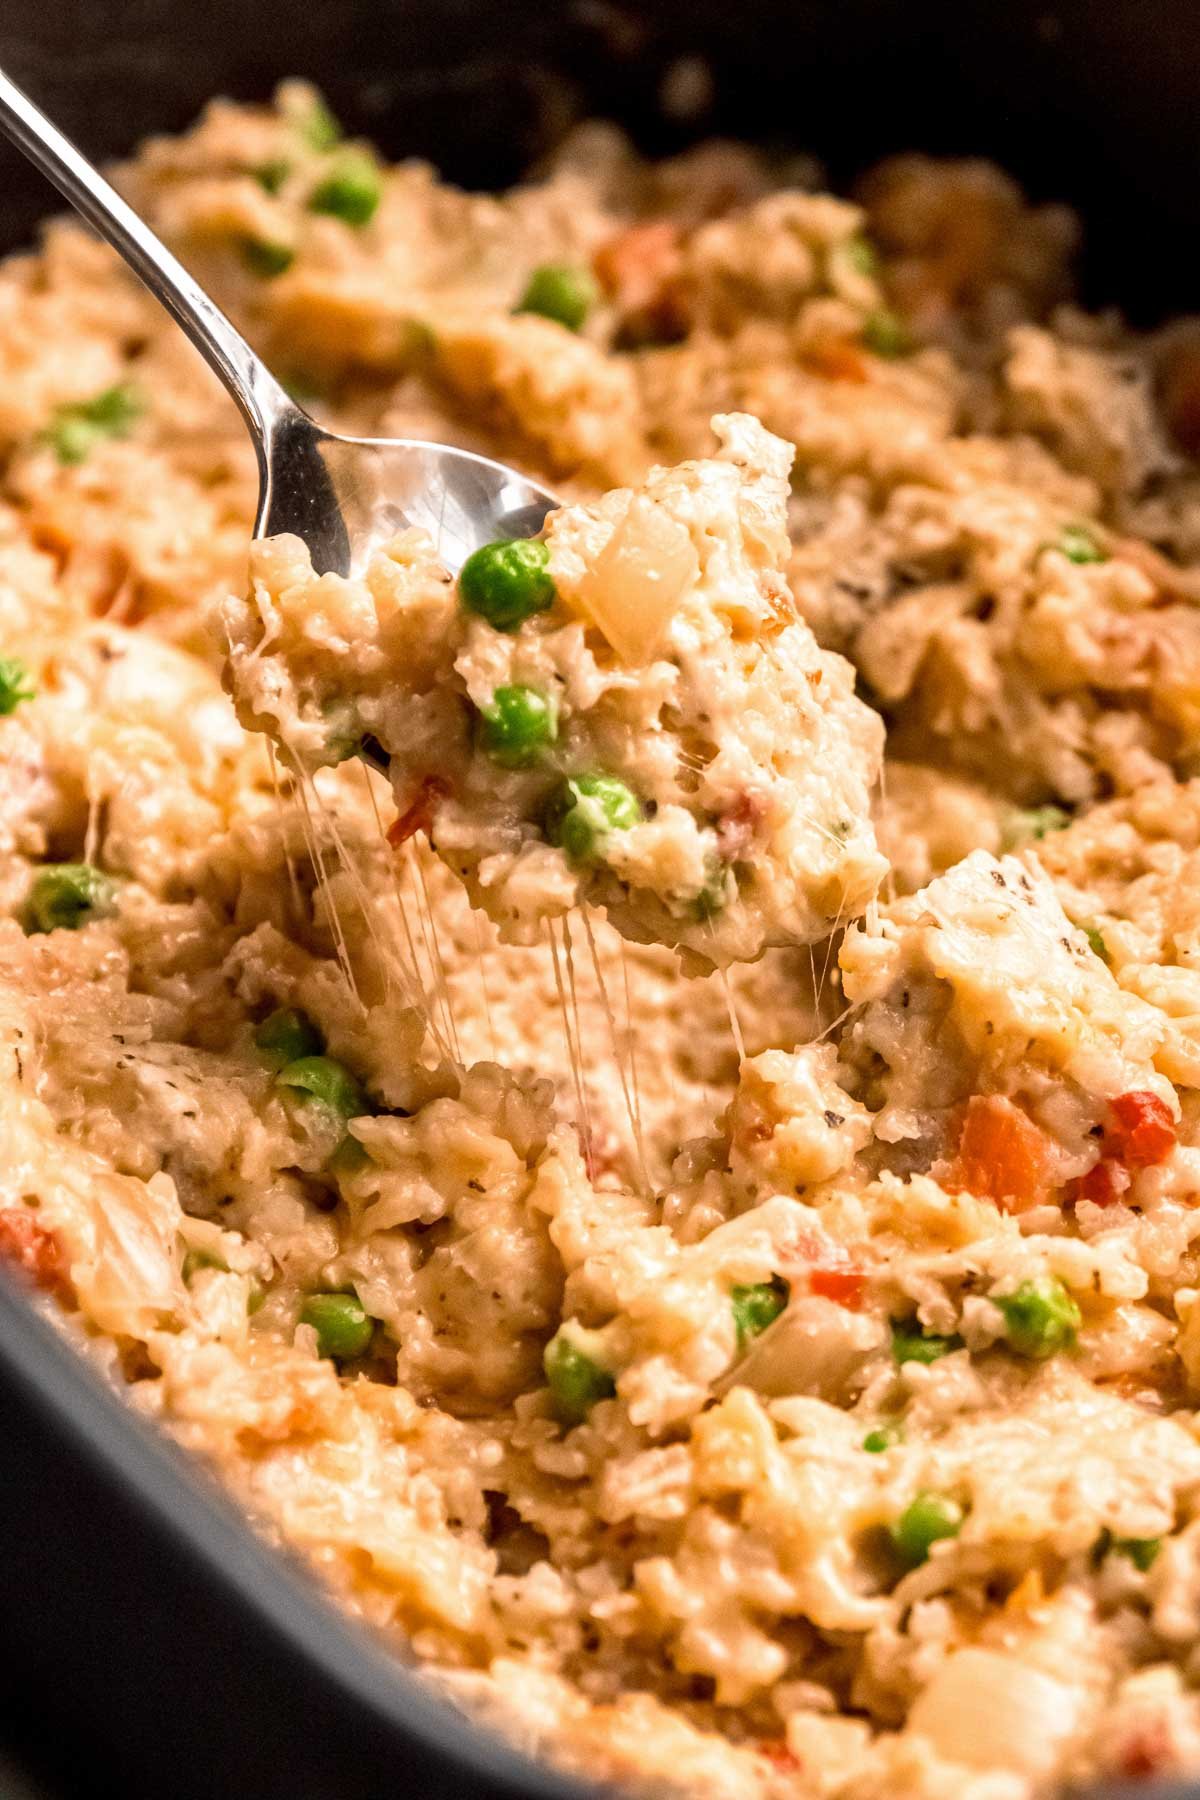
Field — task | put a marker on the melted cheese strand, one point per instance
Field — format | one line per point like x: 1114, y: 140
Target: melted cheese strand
x: 434, y: 950
x: 289, y: 861
x: 318, y: 865
x: 634, y: 1121
x: 584, y: 1122
x: 425, y: 1005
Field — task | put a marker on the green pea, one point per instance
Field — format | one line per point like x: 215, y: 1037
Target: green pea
x: 885, y: 334
x: 318, y: 127
x: 76, y: 429
x: 351, y: 191
x: 860, y: 254
x: 343, y: 1326
x: 558, y: 292
x: 911, y: 1344
x: 507, y: 582
x: 585, y: 810
x: 756, y: 1305
x: 1078, y: 545
x: 302, y: 386
x: 518, y: 724
x: 344, y: 731
x: 719, y: 889
x: 65, y: 896
x: 1095, y: 938
x: 327, y: 1080
x: 288, y: 1036
x: 924, y: 1522
x: 1142, y: 1552
x: 1030, y: 824
x: 272, y: 174
x: 350, y: 1157
x: 884, y: 1437
x: 115, y: 409
x: 1040, y: 1318
x: 195, y: 1260
x: 15, y: 685
x: 266, y: 257
x: 576, y: 1380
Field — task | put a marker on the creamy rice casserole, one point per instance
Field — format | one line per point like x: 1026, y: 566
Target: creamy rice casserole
x: 687, y: 1215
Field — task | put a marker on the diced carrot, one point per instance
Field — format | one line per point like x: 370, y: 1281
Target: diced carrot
x: 1145, y: 1752
x: 1104, y: 1184
x: 779, y: 1756
x: 633, y: 265
x: 838, y: 359
x: 1002, y: 1155
x: 419, y: 815
x: 33, y: 1248
x: 639, y: 269
x: 843, y: 1285
x: 1141, y: 1129
x: 1029, y: 1592
x: 738, y: 826
x: 749, y: 1122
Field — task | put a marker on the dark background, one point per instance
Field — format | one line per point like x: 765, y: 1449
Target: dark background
x: 126, y: 1666
x: 1094, y: 101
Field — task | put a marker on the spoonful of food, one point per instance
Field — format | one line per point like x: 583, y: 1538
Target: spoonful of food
x: 344, y: 496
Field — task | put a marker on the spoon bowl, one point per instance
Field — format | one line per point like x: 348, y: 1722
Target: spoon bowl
x: 344, y: 496
x: 347, y: 497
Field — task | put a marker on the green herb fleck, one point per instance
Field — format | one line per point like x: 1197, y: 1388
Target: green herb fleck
x: 885, y: 334
x: 15, y: 685
x: 861, y: 254
x: 76, y: 429
x: 318, y: 126
x: 1029, y: 824
x: 1078, y: 545
x: 1095, y: 938
x: 272, y: 174
x: 195, y: 1260
x: 1142, y: 1552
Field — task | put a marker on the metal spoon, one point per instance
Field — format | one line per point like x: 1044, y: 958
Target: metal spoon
x: 344, y: 496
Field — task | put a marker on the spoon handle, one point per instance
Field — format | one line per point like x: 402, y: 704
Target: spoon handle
x: 261, y: 399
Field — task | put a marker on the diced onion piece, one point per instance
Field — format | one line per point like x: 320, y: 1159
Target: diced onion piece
x: 989, y: 1711
x: 639, y: 578
x: 129, y: 1277
x: 814, y: 1347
